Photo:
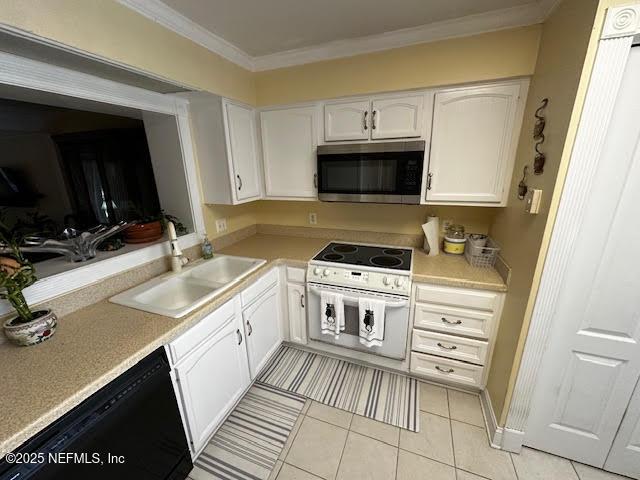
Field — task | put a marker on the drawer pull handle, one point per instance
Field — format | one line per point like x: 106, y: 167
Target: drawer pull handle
x: 440, y: 369
x: 250, y: 329
x: 239, y: 336
x: 452, y: 347
x: 302, y: 300
x: 457, y: 322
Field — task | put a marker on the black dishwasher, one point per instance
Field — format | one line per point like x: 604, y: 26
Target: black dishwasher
x: 129, y: 429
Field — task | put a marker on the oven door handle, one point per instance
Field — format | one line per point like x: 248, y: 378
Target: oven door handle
x: 401, y: 303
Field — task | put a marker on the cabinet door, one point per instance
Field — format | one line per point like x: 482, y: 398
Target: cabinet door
x: 473, y: 142
x: 289, y: 152
x: 347, y: 120
x: 296, y: 302
x: 262, y: 328
x: 240, y: 128
x: 211, y: 379
x: 397, y: 117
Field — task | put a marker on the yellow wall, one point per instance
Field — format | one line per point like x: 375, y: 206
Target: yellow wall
x: 110, y: 30
x: 405, y: 219
x: 488, y: 56
x: 558, y: 73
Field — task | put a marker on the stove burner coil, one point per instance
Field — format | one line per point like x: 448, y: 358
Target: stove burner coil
x: 345, y: 249
x: 333, y: 257
x: 396, y: 252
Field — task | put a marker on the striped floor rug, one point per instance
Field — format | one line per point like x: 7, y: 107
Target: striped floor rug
x: 377, y: 394
x: 250, y: 440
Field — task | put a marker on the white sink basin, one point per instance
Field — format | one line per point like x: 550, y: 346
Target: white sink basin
x: 176, y: 294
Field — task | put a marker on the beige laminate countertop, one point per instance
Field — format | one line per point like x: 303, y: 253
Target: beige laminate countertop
x: 94, y: 345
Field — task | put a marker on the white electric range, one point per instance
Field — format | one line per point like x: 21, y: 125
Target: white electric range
x: 356, y: 271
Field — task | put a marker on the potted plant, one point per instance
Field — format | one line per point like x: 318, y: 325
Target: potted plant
x: 16, y: 274
x: 150, y: 228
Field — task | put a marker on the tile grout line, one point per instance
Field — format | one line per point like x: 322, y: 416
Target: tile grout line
x: 575, y: 469
x: 344, y: 447
x: 513, y: 464
x: 301, y: 469
x: 453, y: 446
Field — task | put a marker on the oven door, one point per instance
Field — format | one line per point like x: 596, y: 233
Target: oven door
x: 373, y: 173
x: 396, y: 320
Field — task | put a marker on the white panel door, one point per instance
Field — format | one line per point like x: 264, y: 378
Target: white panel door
x: 592, y: 362
x: 473, y: 142
x: 212, y: 378
x: 347, y: 120
x: 262, y: 328
x: 289, y: 143
x: 296, y: 302
x: 624, y: 457
x: 242, y: 145
x: 399, y: 117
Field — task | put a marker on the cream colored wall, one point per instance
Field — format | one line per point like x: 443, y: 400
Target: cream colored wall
x: 502, y: 54
x: 110, y: 30
x: 405, y: 219
x: 558, y: 76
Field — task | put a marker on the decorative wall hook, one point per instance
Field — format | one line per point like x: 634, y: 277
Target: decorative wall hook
x: 522, y: 186
x: 538, y: 136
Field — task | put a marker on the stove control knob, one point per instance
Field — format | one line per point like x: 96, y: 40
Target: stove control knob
x: 399, y: 282
x: 386, y: 281
x: 317, y: 271
x: 326, y: 272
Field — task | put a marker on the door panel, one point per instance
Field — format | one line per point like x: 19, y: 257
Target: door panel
x: 472, y: 143
x: 397, y: 117
x: 624, y: 457
x: 289, y: 144
x: 243, y: 150
x: 207, y: 390
x: 592, y: 362
x: 262, y: 329
x: 346, y: 120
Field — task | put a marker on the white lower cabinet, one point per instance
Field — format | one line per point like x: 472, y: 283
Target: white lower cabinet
x: 453, y: 334
x: 262, y: 328
x: 297, y: 308
x: 212, y: 377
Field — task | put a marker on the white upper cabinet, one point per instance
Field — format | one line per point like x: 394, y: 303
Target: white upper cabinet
x: 473, y: 142
x: 240, y: 130
x: 226, y: 142
x: 397, y: 117
x: 375, y: 118
x: 289, y: 141
x: 346, y: 120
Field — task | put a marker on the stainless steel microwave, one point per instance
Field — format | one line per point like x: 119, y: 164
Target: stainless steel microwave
x: 389, y: 172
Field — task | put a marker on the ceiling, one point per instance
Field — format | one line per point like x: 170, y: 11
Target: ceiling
x: 260, y: 27
x: 263, y: 34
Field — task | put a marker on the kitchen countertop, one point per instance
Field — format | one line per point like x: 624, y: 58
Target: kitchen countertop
x: 94, y: 345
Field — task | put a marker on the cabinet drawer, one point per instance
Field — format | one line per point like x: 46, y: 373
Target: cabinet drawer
x: 201, y: 331
x: 443, y: 369
x: 259, y: 287
x: 296, y: 275
x: 457, y: 297
x: 459, y: 348
x: 459, y: 321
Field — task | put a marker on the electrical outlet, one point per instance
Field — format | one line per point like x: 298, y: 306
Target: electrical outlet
x: 446, y: 224
x: 313, y: 219
x: 221, y: 225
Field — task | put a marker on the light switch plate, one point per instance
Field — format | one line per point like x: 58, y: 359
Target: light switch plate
x: 532, y: 201
x: 221, y: 225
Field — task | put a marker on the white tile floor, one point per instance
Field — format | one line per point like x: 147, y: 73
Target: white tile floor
x: 452, y: 444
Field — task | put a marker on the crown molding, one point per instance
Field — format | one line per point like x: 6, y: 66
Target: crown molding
x: 528, y: 14
x: 171, y: 19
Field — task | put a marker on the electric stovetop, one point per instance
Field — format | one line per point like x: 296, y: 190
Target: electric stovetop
x: 366, y: 255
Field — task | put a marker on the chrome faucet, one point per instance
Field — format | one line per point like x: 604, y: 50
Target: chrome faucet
x: 177, y: 257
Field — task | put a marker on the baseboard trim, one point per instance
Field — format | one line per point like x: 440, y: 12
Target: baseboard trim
x: 512, y: 440
x: 494, y: 431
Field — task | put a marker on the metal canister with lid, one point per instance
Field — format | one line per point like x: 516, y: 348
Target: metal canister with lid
x: 454, y: 239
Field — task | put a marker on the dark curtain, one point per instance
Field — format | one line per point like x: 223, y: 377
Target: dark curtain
x: 109, y: 176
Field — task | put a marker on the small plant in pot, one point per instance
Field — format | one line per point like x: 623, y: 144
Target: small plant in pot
x: 16, y: 274
x: 151, y: 228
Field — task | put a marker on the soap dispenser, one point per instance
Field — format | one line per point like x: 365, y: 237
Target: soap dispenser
x: 207, y: 249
